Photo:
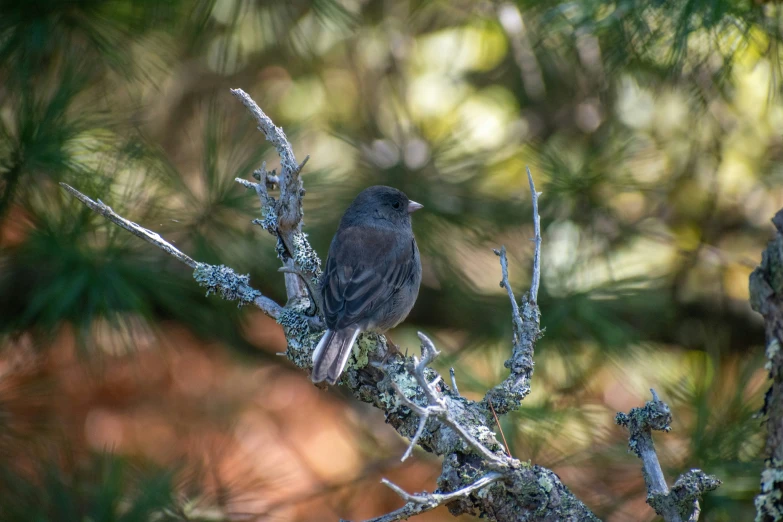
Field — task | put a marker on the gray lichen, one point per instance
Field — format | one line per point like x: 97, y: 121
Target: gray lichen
x: 772, y: 352
x: 769, y: 503
x: 305, y: 257
x: 689, y: 488
x: 280, y: 249
x: 545, y: 483
x: 654, y: 415
x: 268, y: 219
x: 360, y: 355
x: 301, y: 337
x: 682, y: 501
x: 509, y: 394
x: 222, y: 280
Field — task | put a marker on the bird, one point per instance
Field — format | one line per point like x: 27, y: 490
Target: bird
x: 372, y: 275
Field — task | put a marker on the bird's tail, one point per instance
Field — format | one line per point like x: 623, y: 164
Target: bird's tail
x: 331, y: 354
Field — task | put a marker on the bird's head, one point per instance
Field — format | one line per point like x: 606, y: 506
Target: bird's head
x: 381, y: 204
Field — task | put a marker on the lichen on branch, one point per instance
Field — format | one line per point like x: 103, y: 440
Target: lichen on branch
x: 681, y: 504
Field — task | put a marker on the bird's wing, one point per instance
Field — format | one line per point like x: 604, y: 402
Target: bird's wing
x: 365, y: 269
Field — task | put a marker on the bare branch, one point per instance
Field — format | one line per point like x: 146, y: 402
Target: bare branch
x: 99, y: 207
x: 283, y: 218
x: 304, y: 162
x: 516, y: 318
x: 536, y: 279
x: 493, y: 460
x: 525, y: 317
x: 428, y: 354
x: 437, y: 406
x: 422, y: 424
x: 440, y: 498
x: 416, y: 504
x: 217, y: 279
x: 260, y: 189
x: 290, y: 184
x: 682, y: 503
x: 454, y: 380
x: 640, y: 422
x: 307, y: 279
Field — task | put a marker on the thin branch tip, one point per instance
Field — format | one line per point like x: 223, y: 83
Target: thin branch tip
x: 454, y: 381
x: 536, y: 279
x: 217, y: 279
x: 415, y: 504
x: 287, y: 225
x: 304, y: 162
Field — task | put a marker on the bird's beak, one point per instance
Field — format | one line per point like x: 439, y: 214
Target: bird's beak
x: 413, y: 206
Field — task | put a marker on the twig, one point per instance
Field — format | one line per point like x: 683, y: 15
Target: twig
x: 428, y: 354
x: 444, y: 497
x: 307, y: 279
x: 493, y: 461
x: 287, y: 225
x: 640, y: 422
x: 99, y: 207
x: 416, y: 504
x: 536, y: 279
x: 516, y: 318
x: 301, y: 165
x: 422, y: 423
x: 259, y: 188
x: 217, y: 279
x: 454, y: 381
x: 289, y: 180
x: 500, y: 428
x: 438, y: 407
x: 682, y: 502
x: 525, y: 317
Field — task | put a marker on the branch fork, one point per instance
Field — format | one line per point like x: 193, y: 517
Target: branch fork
x: 437, y: 407
x: 681, y: 504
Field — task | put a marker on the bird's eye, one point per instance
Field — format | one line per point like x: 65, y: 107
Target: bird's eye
x: 397, y: 205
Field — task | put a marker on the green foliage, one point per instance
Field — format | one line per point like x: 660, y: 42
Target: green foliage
x: 105, y: 490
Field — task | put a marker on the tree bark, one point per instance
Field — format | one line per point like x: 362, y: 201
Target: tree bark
x: 766, y: 297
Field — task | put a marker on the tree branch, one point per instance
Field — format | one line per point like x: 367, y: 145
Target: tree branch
x: 416, y: 504
x: 536, y: 279
x: 437, y: 407
x: 469, y: 436
x: 526, y: 320
x: 766, y: 298
x: 217, y: 279
x: 99, y: 207
x: 682, y: 503
x: 283, y: 218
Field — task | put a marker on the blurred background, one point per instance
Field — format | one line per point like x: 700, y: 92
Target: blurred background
x: 654, y: 131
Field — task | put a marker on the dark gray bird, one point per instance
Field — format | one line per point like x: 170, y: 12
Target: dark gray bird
x: 372, y: 275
